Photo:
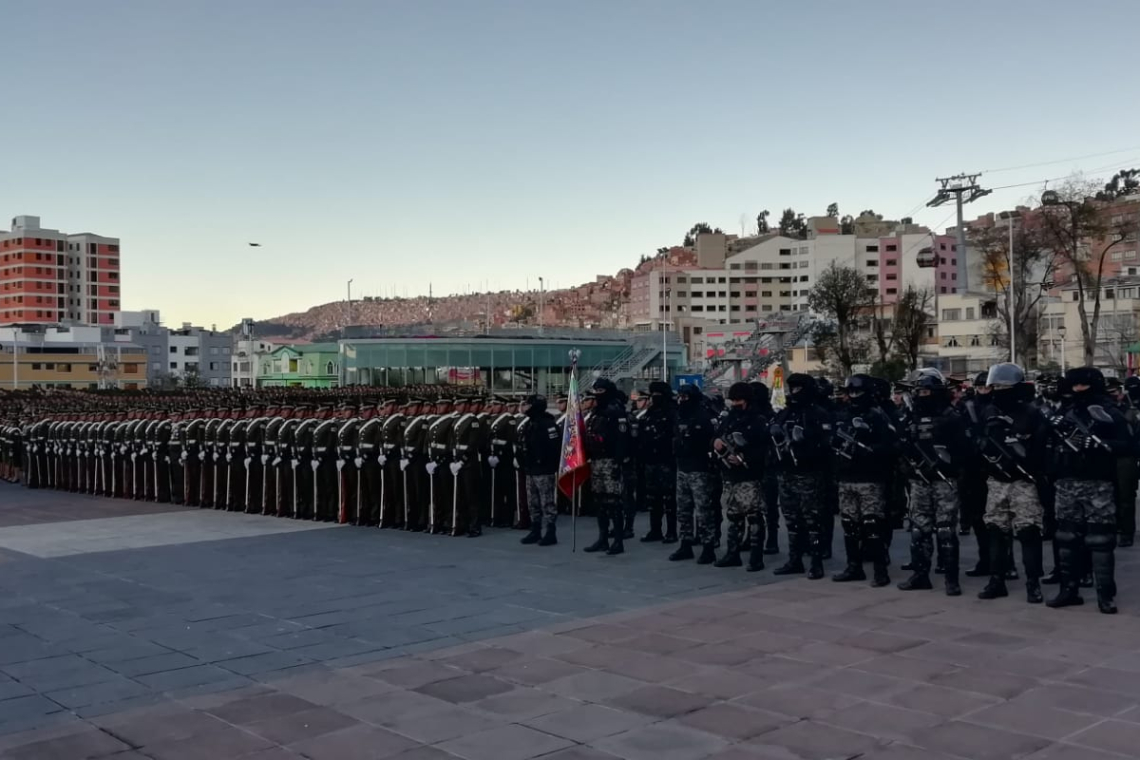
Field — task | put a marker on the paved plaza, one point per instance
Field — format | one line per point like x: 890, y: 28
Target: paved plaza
x: 132, y: 631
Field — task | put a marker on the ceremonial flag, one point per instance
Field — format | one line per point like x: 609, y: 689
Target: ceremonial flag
x: 573, y: 470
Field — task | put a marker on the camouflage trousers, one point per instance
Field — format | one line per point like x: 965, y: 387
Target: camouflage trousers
x: 540, y: 500
x: 859, y: 501
x: 695, y: 493
x: 1016, y: 506
x: 1086, y: 502
x: 742, y: 504
x: 608, y: 486
x: 801, y: 501
x: 933, y: 505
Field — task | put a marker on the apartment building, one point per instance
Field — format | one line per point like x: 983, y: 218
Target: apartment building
x: 184, y: 354
x: 49, y: 277
x: 68, y: 357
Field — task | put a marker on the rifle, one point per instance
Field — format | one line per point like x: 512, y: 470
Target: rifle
x: 924, y: 463
x: 859, y: 424
x: 781, y: 441
x: 1098, y: 414
x: 733, y: 447
x: 1004, y: 453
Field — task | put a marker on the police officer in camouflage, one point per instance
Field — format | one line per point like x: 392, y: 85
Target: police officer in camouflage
x: 655, y: 431
x: 740, y: 444
x: 863, y: 440
x: 695, y: 476
x: 1090, y: 434
x: 607, y: 450
x: 538, y: 447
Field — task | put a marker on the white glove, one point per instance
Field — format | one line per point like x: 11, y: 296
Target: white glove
x: 229, y: 457
x: 314, y: 464
x: 430, y: 467
x: 404, y: 464
x: 277, y: 461
x: 295, y: 462
x: 382, y: 460
x: 493, y: 461
x: 167, y: 459
x: 184, y: 456
x: 339, y: 465
x: 122, y: 449
x: 201, y: 456
x: 133, y: 455
x: 455, y: 468
x: 246, y: 462
x: 264, y: 458
x: 215, y: 456
x: 359, y: 462
x: 515, y: 462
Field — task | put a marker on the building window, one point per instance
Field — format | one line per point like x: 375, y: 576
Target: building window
x: 892, y: 276
x: 892, y: 291
x: 951, y: 315
x: 969, y: 312
x: 951, y: 342
x: 975, y: 340
x: 890, y: 248
x: 892, y: 262
x: 872, y: 249
x: 872, y: 262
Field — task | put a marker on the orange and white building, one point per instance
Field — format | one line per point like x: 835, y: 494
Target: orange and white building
x: 49, y: 277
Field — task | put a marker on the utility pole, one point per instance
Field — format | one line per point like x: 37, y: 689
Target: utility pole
x: 348, y: 319
x: 541, y: 305
x: 963, y: 188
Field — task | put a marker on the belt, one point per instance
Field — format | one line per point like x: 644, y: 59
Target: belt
x: 367, y: 446
x: 191, y: 440
x: 439, y: 446
x: 499, y: 442
x: 463, y: 447
x: 320, y: 449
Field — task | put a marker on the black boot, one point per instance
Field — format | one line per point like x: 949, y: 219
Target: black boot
x: 654, y: 533
x: 731, y: 558
x: 815, y: 547
x: 854, y: 569
x: 533, y: 537
x: 795, y: 563
x: 708, y: 555
x: 1101, y: 541
x: 1011, y: 573
x: 1068, y: 545
x: 875, y: 549
x: 1032, y: 550
x: 684, y: 551
x: 921, y: 549
x: 627, y: 531
x: 948, y: 558
x: 617, y: 545
x: 755, y: 558
x: 550, y: 538
x: 670, y: 524
x: 772, y: 545
x: 998, y: 543
x: 603, y: 542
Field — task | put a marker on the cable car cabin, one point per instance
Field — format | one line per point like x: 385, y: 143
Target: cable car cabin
x: 926, y: 258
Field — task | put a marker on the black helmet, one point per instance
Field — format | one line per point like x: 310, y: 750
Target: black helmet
x: 690, y: 392
x: 859, y: 385
x: 1090, y: 376
x: 801, y: 389
x: 760, y: 394
x: 980, y: 379
x: 928, y: 378
x: 602, y: 386
x: 1132, y: 388
x: 824, y: 386
x: 1005, y: 375
x: 740, y: 392
x: 658, y: 388
x: 536, y: 403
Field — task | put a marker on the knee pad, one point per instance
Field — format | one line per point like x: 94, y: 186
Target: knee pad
x: 945, y: 533
x: 1032, y: 533
x: 1100, y: 538
x: 850, y: 526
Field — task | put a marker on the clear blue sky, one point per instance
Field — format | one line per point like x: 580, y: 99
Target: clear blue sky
x: 462, y: 142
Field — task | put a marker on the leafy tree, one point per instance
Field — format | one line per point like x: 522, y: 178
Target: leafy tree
x: 1074, y: 225
x: 793, y: 224
x: 847, y: 225
x: 892, y: 370
x: 842, y: 298
x: 833, y: 210
x: 762, y: 222
x: 1125, y: 182
x: 912, y: 321
x: 697, y: 229
x: 906, y: 220
x: 871, y: 213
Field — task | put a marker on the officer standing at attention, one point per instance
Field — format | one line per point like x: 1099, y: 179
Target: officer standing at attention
x: 538, y: 448
x: 695, y: 475
x: 607, y: 449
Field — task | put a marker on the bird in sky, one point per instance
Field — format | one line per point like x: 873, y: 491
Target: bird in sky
x: 255, y: 245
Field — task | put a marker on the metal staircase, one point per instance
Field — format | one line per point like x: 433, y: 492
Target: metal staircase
x: 768, y: 344
x: 630, y: 362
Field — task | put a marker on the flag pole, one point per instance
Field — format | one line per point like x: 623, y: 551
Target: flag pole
x: 574, y: 522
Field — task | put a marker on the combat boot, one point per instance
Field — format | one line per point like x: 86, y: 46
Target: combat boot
x: 708, y: 555
x: 683, y: 552
x: 755, y: 559
x: 795, y: 563
x: 948, y: 559
x: 731, y: 558
x: 627, y: 532
x: 603, y: 542
x: 533, y: 537
x: 550, y: 538
x: 815, y: 544
x: 772, y: 545
x: 1032, y: 550
x: 670, y: 525
x: 617, y: 546
x: 854, y: 569
x: 1068, y: 548
x: 1101, y: 541
x: 920, y: 551
x: 654, y: 533
x: 999, y: 544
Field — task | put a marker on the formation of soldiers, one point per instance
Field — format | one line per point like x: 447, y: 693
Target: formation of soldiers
x: 1006, y: 460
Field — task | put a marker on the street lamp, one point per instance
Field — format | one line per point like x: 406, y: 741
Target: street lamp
x: 1011, y: 301
x: 1061, y: 331
x: 541, y: 304
x: 665, y: 337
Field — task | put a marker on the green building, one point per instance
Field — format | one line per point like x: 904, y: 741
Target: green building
x: 508, y: 363
x: 301, y: 366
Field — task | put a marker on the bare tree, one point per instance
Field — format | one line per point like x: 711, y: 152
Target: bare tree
x: 842, y: 298
x: 1074, y: 226
x: 1023, y: 280
x: 913, y: 318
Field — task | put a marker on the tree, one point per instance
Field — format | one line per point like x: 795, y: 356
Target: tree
x: 871, y: 213
x: 907, y: 220
x: 842, y: 298
x: 1124, y: 182
x: 762, y: 222
x: 847, y: 225
x: 697, y: 229
x: 833, y: 210
x: 1033, y: 269
x: 912, y: 322
x: 1074, y: 226
x: 793, y: 224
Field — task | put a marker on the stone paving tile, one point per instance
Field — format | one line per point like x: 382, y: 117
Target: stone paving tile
x: 1118, y: 736
x: 523, y: 703
x: 587, y: 723
x: 940, y: 700
x: 810, y: 740
x: 331, y: 688
x: 298, y: 726
x: 262, y: 707
x: 978, y: 742
x: 468, y: 688
x: 593, y: 686
x: 443, y: 724
x: 798, y: 701
x: 660, y: 701
x: 355, y: 743
x: 733, y: 722
x: 883, y: 721
x: 1033, y: 718
x: 662, y: 741
x: 721, y: 684
x: 510, y: 742
x: 533, y: 672
x: 90, y: 743
x: 418, y: 673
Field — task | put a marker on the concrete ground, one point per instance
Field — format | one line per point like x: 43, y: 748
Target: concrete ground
x: 134, y: 631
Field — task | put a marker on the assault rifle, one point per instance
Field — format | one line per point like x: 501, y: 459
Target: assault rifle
x: 733, y: 447
x: 1004, y: 453
x: 844, y: 451
x: 782, y: 442
x: 1076, y: 427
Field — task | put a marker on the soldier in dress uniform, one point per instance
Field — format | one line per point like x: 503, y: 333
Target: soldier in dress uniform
x: 207, y: 455
x: 304, y: 464
x: 467, y: 451
x: 282, y: 462
x: 390, y: 496
x: 348, y: 471
x: 235, y: 459
x: 369, y: 451
x: 222, y: 476
x: 501, y: 477
x: 270, y: 474
x: 254, y: 465
x: 164, y: 445
x: 413, y: 461
x: 438, y: 467
x: 324, y: 464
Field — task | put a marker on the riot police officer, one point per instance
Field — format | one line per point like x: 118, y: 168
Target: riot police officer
x: 655, y: 450
x: 740, y: 444
x: 538, y: 446
x: 695, y: 475
x: 607, y: 450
